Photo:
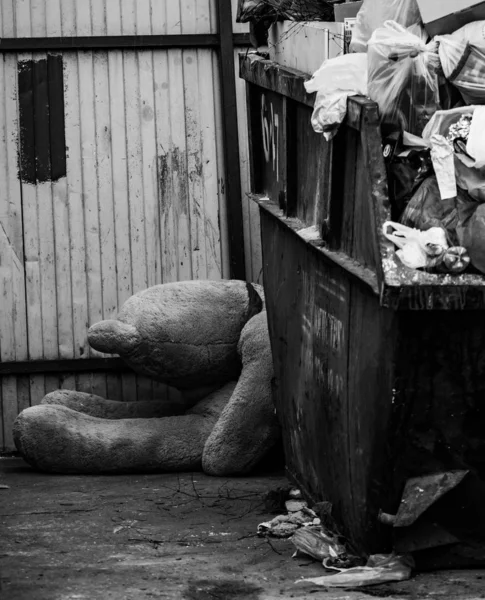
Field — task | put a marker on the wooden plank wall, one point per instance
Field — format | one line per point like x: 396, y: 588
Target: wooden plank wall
x: 142, y: 200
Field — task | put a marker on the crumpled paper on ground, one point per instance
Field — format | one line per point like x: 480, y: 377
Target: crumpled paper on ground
x: 380, y: 568
x: 284, y: 526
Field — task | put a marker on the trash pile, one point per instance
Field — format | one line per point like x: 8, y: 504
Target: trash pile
x: 302, y: 526
x: 299, y: 515
x: 307, y: 10
x: 424, y: 66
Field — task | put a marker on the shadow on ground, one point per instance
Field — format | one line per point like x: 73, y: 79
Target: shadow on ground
x: 186, y: 536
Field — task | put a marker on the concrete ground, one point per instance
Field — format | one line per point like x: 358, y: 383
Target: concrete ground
x: 184, y: 536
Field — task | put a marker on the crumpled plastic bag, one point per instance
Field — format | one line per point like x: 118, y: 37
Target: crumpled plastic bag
x: 469, y: 172
x: 336, y: 80
x: 426, y: 210
x: 462, y: 56
x: 403, y: 77
x: 317, y: 544
x: 374, y: 13
x: 380, y: 568
x: 417, y: 249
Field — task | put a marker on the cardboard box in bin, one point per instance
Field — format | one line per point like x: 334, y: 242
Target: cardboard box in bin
x: 446, y: 16
x: 305, y: 45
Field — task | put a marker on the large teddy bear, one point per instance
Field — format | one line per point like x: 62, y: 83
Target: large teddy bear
x: 210, y: 340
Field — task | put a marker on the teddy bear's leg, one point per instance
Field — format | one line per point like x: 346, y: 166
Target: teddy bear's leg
x: 58, y: 439
x: 247, y: 427
x: 96, y: 406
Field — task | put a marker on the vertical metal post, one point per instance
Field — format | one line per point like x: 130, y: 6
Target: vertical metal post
x: 231, y: 141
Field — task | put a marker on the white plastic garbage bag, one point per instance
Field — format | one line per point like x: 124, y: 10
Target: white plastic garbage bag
x: 336, y: 80
x: 417, y: 249
x: 472, y: 34
x: 462, y: 56
x: 374, y: 13
x: 403, y: 77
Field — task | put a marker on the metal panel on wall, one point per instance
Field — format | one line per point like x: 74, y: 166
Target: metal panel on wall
x: 91, y: 17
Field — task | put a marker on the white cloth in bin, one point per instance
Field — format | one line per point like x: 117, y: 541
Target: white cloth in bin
x: 336, y: 80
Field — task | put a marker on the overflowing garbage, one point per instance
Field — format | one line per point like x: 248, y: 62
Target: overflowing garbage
x: 423, y: 66
x: 251, y: 10
x: 311, y: 538
x: 430, y: 90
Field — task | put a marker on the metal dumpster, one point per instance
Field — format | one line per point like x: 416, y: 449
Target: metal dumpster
x: 379, y: 369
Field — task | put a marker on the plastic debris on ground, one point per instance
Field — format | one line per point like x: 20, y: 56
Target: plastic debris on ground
x: 380, y: 568
x: 324, y: 547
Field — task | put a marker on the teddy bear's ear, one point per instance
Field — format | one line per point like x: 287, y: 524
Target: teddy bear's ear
x: 113, y: 337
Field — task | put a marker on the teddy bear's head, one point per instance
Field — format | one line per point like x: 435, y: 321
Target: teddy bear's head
x: 184, y: 334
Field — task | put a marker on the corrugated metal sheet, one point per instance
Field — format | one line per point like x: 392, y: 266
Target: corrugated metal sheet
x: 40, y: 18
